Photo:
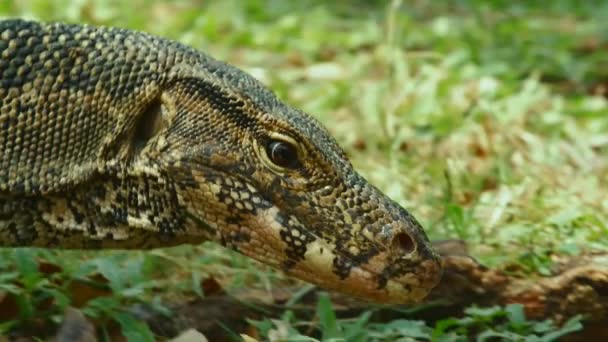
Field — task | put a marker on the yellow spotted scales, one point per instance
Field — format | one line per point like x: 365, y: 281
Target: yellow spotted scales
x: 111, y: 138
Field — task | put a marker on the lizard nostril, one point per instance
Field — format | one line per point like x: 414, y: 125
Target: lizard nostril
x: 404, y: 243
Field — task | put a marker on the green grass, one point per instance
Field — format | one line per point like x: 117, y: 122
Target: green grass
x: 488, y: 121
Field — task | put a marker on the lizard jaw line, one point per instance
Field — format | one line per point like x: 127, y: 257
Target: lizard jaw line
x: 316, y: 265
x: 363, y: 280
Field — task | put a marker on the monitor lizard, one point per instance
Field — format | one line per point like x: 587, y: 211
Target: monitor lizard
x: 117, y: 139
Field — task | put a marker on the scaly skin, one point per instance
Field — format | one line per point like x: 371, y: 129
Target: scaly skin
x: 111, y: 138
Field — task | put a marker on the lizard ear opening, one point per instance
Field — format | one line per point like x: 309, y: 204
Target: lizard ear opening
x: 148, y: 125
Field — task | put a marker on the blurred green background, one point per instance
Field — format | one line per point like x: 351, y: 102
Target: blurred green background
x: 488, y: 120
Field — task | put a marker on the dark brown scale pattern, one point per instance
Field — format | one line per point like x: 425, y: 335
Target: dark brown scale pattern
x: 111, y: 138
x: 55, y: 102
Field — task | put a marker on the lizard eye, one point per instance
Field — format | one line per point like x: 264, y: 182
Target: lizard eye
x: 282, y: 154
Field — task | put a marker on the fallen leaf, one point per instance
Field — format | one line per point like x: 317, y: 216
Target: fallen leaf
x: 82, y: 291
x: 211, y: 287
x: 190, y: 335
x: 248, y: 338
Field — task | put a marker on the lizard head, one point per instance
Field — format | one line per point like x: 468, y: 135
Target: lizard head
x: 269, y: 181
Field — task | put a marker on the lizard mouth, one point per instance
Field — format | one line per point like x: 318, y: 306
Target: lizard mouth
x: 362, y: 281
x: 370, y: 281
x: 367, y: 281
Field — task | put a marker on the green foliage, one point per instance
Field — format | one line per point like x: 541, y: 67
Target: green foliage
x: 134, y: 329
x: 506, y: 323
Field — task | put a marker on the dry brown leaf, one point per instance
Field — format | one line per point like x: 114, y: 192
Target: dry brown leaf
x: 82, y: 291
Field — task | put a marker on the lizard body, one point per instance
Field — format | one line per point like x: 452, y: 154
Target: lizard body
x: 111, y: 138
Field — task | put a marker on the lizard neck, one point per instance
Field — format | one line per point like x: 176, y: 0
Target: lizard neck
x: 139, y: 209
